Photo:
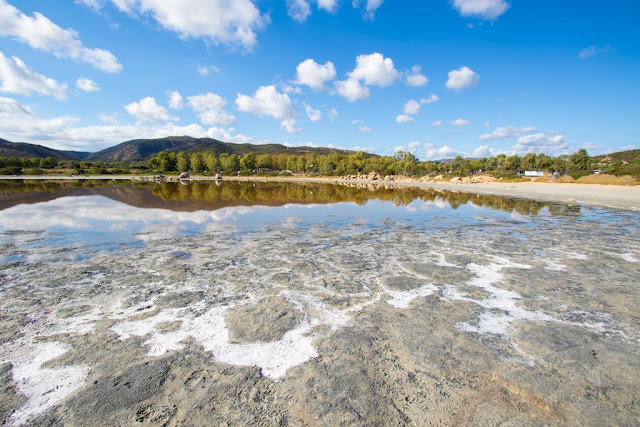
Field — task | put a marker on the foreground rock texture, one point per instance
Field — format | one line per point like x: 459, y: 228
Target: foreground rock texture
x: 450, y: 319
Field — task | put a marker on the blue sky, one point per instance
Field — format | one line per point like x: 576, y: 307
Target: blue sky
x: 438, y: 78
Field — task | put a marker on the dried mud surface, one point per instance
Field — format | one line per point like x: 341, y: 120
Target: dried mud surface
x: 511, y: 320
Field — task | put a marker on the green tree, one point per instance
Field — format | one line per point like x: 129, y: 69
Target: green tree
x: 579, y: 161
x: 197, y: 164
x: 182, y: 162
x: 248, y: 161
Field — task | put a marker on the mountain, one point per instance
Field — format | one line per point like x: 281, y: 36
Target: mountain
x: 23, y: 149
x: 629, y: 156
x: 144, y: 149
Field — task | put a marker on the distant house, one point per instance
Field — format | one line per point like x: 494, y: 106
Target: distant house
x: 533, y: 173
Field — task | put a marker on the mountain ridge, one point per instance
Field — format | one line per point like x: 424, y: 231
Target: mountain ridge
x: 144, y: 149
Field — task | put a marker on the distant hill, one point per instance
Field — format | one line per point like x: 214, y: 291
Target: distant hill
x: 22, y: 149
x: 144, y: 149
x: 630, y: 156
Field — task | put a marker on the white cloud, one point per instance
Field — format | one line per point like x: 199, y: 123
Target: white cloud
x: 434, y: 152
x: 19, y: 123
x: 314, y: 75
x: 484, y: 9
x: 267, y: 101
x: 148, y: 110
x: 430, y: 100
x: 333, y: 113
x: 109, y: 118
x: 412, y: 107
x: 87, y: 85
x: 462, y: 78
x: 298, y: 9
x: 329, y: 5
x: 375, y: 69
x: 370, y: 7
x: 175, y: 100
x: 211, y: 109
x: 506, y: 132
x: 205, y: 70
x: 486, y: 124
x: 437, y: 123
x: 364, y: 129
x: 352, y: 90
x: 228, y: 22
x: 42, y: 34
x: 592, y: 146
x: 287, y: 88
x: 592, y: 50
x: 289, y: 125
x: 459, y: 122
x: 403, y: 118
x: 541, y: 143
x: 627, y: 147
x: 314, y: 115
x: 415, y: 78
x: 16, y: 77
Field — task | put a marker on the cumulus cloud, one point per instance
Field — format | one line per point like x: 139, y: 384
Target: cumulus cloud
x: 87, y: 85
x: 42, y: 34
x: 289, y: 125
x: 333, y: 113
x: 233, y: 23
x: 462, y: 78
x: 506, y: 132
x: 437, y: 124
x: 483, y: 9
x: 364, y: 129
x: 430, y: 100
x: 175, y: 100
x: 20, y: 123
x: 415, y: 78
x: 369, y: 6
x: 267, y: 101
x: 298, y: 9
x: 459, y: 122
x: 403, y: 118
x: 211, y: 109
x: 541, y: 143
x: 148, y: 110
x: 592, y: 50
x: 109, y: 118
x: 437, y: 152
x: 16, y: 77
x: 412, y: 107
x: 329, y: 5
x: 315, y: 75
x: 352, y: 90
x: 314, y: 115
x: 373, y: 69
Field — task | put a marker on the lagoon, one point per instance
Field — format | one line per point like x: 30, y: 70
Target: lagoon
x: 220, y: 302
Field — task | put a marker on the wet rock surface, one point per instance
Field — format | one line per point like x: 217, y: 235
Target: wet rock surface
x: 439, y: 317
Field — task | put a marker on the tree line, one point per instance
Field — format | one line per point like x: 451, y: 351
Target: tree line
x: 334, y: 164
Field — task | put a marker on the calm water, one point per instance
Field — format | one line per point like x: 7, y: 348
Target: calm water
x: 101, y: 281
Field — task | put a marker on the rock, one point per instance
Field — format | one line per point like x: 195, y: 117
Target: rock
x: 438, y: 178
x: 217, y: 176
x: 184, y: 175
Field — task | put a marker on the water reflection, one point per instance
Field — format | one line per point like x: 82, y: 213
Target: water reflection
x: 211, y: 196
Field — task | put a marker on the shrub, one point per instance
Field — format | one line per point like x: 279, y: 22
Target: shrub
x: 566, y: 179
x: 605, y: 179
x: 11, y: 170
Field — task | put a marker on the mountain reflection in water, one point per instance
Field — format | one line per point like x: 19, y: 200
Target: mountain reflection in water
x: 212, y: 195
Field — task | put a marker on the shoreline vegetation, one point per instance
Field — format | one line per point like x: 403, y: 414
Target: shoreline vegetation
x: 402, y: 166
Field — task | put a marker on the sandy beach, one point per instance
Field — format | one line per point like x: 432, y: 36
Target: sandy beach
x: 612, y: 196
